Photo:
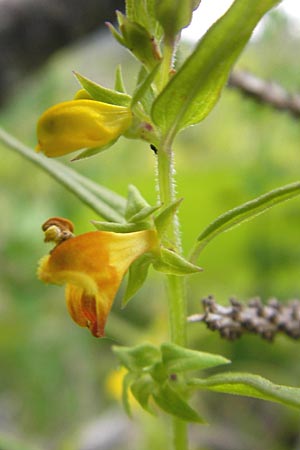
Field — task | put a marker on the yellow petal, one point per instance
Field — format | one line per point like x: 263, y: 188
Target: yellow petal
x: 77, y: 124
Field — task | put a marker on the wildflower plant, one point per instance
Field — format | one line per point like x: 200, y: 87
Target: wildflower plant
x: 133, y: 235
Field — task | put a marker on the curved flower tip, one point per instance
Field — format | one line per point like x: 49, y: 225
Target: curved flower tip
x: 92, y: 266
x: 57, y: 229
x: 82, y: 123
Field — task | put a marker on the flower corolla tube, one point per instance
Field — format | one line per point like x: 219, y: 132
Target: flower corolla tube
x: 78, y: 124
x: 92, y: 265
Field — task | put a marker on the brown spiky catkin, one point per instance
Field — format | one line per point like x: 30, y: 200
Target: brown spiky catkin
x: 266, y: 320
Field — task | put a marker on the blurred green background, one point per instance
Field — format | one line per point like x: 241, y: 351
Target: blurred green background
x: 54, y: 392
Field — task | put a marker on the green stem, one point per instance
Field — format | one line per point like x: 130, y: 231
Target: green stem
x: 166, y: 66
x: 175, y: 284
x: 180, y: 436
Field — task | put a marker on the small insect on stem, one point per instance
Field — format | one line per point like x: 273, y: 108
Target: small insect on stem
x: 154, y: 148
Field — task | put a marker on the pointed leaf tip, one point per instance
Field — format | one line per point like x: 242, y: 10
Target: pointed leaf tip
x: 250, y: 385
x: 180, y: 359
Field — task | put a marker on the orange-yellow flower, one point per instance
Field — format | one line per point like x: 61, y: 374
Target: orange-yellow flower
x: 81, y: 123
x: 92, y: 266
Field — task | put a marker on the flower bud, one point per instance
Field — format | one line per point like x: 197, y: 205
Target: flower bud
x: 78, y: 124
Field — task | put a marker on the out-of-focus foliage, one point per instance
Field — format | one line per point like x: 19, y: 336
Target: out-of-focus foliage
x: 53, y: 373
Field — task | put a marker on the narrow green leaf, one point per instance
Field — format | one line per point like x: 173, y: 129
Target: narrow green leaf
x: 142, y: 12
x: 99, y: 199
x: 165, y: 217
x: 120, y: 227
x: 135, y: 202
x: 143, y: 214
x: 139, y: 357
x: 119, y: 82
x: 143, y: 92
x: 171, y: 402
x: 139, y: 41
x: 127, y: 380
x: 89, y: 152
x: 114, y: 200
x: 119, y: 38
x: 103, y: 94
x: 142, y: 390
x: 193, y: 91
x: 137, y: 275
x: 247, y: 211
x: 172, y: 263
x: 250, y: 385
x: 180, y: 359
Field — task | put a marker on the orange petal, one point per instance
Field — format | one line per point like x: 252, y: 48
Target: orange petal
x: 93, y: 265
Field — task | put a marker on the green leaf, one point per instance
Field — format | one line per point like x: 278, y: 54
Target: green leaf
x: 158, y: 372
x: 172, y: 403
x: 114, y: 200
x: 143, y: 92
x: 126, y: 383
x: 165, y: 217
x: 119, y: 38
x: 139, y: 357
x: 196, y: 87
x: 143, y: 214
x: 120, y: 227
x: 137, y: 275
x: 249, y: 385
x: 142, y: 390
x: 88, y: 153
x: 119, y: 82
x: 172, y: 263
x: 135, y: 203
x: 104, y: 202
x: 180, y: 359
x: 143, y: 12
x: 102, y: 94
x: 139, y: 41
x: 247, y: 211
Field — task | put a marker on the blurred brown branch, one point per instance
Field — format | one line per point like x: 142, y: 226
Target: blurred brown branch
x: 263, y: 91
x: 31, y: 30
x: 254, y: 317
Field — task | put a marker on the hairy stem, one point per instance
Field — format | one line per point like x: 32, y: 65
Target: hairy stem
x: 175, y: 284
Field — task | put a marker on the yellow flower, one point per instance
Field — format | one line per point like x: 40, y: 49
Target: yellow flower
x: 82, y: 123
x: 92, y: 266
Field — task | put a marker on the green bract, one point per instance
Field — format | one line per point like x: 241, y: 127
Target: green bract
x: 138, y: 40
x: 103, y: 94
x: 155, y: 375
x: 173, y: 15
x: 143, y: 13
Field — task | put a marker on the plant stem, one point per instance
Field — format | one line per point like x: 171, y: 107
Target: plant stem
x: 166, y: 65
x: 175, y: 284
